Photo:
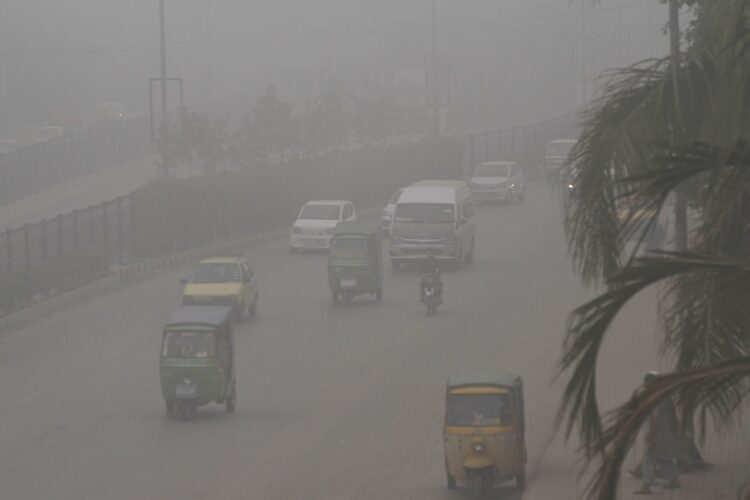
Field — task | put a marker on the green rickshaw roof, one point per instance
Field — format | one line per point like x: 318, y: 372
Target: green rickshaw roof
x: 499, y: 378
x: 359, y: 228
x: 208, y: 315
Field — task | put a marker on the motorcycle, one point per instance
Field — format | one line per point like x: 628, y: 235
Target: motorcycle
x: 432, y: 295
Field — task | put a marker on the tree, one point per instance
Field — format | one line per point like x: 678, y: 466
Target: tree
x: 273, y: 124
x: 658, y: 127
x: 199, y: 141
x: 327, y: 120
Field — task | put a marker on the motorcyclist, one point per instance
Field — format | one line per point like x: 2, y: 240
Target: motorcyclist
x: 430, y: 273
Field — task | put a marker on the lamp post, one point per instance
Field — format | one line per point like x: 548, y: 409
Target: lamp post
x: 434, y: 75
x: 164, y: 136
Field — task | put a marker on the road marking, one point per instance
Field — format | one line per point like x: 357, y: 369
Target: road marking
x: 35, y: 395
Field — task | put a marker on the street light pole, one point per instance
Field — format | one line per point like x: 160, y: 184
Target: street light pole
x: 435, y: 100
x: 164, y: 136
x: 680, y: 206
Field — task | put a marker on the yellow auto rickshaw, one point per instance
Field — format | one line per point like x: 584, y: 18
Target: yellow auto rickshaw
x: 484, y: 431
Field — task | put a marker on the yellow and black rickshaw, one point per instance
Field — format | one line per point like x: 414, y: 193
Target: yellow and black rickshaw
x: 197, y: 359
x: 355, y: 261
x: 484, y: 432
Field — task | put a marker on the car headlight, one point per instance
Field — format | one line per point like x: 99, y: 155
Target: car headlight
x: 187, y: 299
x: 478, y: 447
x: 296, y: 230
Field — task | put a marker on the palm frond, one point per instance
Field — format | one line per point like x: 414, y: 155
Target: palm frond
x: 631, y: 123
x: 589, y: 324
x: 702, y: 385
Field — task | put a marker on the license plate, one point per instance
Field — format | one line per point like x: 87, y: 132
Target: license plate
x: 348, y: 283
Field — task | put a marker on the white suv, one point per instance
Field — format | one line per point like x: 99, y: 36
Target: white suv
x: 316, y: 222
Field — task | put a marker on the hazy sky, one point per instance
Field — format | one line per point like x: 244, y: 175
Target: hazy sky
x: 511, y: 60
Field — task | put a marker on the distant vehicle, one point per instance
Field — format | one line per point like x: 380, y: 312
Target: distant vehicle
x: 498, y: 181
x: 316, y: 222
x: 8, y: 145
x: 110, y: 111
x: 223, y: 281
x: 44, y: 134
x: 388, y: 212
x: 435, y: 216
x: 355, y: 261
x: 432, y: 291
x: 556, y: 156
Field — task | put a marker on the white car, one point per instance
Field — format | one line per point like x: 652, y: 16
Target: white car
x: 44, y: 134
x: 498, y: 181
x: 316, y: 222
x: 389, y: 211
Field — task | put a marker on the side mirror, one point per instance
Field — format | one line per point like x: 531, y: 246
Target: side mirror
x: 184, y: 281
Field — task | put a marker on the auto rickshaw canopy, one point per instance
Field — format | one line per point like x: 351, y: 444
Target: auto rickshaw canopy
x: 505, y: 379
x: 368, y: 230
x: 210, y: 316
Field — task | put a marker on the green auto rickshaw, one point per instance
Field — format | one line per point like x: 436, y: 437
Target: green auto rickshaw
x: 197, y: 359
x: 355, y: 261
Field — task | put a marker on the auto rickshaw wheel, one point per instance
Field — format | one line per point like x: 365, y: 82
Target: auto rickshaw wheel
x: 231, y: 401
x: 470, y: 256
x: 379, y: 294
x: 348, y: 298
x: 521, y: 481
x: 169, y: 406
x: 186, y: 410
x: 451, y: 481
x: 239, y: 313
x: 335, y: 297
x: 477, y: 485
x: 252, y: 310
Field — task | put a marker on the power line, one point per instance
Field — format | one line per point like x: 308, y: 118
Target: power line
x: 418, y: 26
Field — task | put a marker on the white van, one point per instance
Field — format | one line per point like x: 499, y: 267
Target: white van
x: 556, y: 156
x: 437, y: 216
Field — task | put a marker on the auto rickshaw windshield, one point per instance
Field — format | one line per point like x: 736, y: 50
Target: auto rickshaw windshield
x: 349, y: 248
x: 190, y: 345
x: 476, y: 410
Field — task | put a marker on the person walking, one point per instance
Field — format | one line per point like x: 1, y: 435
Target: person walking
x: 661, y: 443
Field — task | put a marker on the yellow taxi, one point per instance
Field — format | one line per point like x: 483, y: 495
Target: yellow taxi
x: 224, y: 280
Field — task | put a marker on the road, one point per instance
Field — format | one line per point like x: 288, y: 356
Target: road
x: 334, y: 402
x: 78, y: 193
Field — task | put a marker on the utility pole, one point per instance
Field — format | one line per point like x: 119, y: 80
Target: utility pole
x: 164, y: 136
x: 435, y: 99
x: 680, y: 206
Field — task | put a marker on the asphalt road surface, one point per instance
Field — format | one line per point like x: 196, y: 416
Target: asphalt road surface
x: 334, y: 402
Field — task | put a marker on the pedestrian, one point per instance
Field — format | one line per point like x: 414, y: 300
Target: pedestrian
x: 661, y: 443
